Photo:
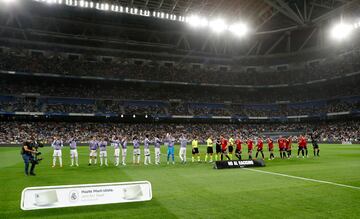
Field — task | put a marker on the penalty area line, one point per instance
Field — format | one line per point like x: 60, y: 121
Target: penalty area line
x: 303, y: 178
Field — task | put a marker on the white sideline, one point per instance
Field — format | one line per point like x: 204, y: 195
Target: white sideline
x: 303, y: 178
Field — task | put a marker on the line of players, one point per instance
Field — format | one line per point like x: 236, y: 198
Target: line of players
x: 224, y: 149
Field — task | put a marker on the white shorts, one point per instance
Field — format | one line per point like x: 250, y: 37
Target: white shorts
x: 124, y: 152
x: 93, y: 153
x: 157, y: 151
x: 57, y: 153
x: 146, y: 151
x: 117, y: 152
x: 103, y: 153
x: 182, y: 151
x: 137, y: 151
x: 73, y: 153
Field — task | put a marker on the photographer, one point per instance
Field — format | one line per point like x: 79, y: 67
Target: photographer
x: 28, y: 151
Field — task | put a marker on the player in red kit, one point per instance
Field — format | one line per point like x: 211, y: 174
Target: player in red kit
x: 302, y: 144
x: 288, y: 146
x: 282, y: 147
x: 224, y: 144
x: 260, y: 145
x: 238, y: 150
x: 270, y: 143
x: 250, y: 143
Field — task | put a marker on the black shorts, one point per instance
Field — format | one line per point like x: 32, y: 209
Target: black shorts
x: 316, y: 146
x: 237, y: 151
x: 282, y: 149
x: 231, y: 149
x: 209, y: 150
x: 259, y: 149
x: 224, y: 151
x: 195, y: 151
x: 218, y: 149
x: 271, y: 149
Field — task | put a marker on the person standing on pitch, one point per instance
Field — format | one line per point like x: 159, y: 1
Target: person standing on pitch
x: 73, y: 152
x: 288, y: 146
x: 209, y: 149
x: 314, y: 140
x: 250, y: 143
x: 231, y: 147
x: 182, y: 153
x: 195, y: 150
x: 93, y: 146
x: 123, y: 150
x: 147, y: 142
x: 282, y: 147
x: 170, y: 151
x: 157, y: 144
x: 218, y: 149
x: 115, y: 142
x: 238, y: 150
x: 260, y: 146
x: 271, y: 148
x: 302, y: 144
x: 136, y: 153
x: 224, y: 145
x: 103, y: 152
x: 57, y: 144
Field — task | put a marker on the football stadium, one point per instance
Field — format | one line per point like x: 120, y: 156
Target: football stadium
x: 179, y: 108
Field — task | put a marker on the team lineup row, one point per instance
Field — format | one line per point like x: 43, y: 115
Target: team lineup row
x: 223, y: 148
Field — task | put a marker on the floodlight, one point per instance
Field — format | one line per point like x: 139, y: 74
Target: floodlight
x: 341, y: 31
x: 218, y: 25
x: 81, y: 3
x: 134, y: 116
x: 239, y: 29
x: 146, y: 116
x: 197, y: 21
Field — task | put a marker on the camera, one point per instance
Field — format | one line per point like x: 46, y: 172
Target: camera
x: 37, y: 155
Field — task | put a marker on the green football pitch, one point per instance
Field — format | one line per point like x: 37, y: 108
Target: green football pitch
x: 196, y: 190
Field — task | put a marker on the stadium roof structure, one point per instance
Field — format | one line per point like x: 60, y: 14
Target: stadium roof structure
x: 277, y: 26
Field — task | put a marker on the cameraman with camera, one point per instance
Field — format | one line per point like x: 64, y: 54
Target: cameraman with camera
x: 28, y: 152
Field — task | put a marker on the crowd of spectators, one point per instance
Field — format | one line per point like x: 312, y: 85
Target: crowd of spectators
x: 123, y: 69
x: 17, y: 132
x: 21, y: 104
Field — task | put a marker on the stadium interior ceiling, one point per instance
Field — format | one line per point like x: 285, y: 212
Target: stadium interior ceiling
x: 275, y: 27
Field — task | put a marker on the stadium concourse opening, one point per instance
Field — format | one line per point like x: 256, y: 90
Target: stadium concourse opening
x: 125, y: 108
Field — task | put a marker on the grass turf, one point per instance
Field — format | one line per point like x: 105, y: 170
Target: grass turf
x: 196, y: 190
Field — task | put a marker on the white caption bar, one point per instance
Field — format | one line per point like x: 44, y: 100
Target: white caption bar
x: 33, y: 198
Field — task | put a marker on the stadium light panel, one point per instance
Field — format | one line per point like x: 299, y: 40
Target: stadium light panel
x: 81, y: 3
x: 239, y: 29
x: 8, y: 1
x: 134, y: 116
x: 341, y: 31
x: 218, y: 25
x: 91, y: 4
x: 196, y: 21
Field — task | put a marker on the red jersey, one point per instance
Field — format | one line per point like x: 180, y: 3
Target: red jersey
x: 250, y: 144
x: 224, y: 144
x: 260, y: 144
x: 302, y: 142
x: 270, y: 143
x: 288, y: 143
x: 238, y: 144
x: 281, y: 143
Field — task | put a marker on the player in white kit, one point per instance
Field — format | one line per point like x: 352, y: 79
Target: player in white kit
x: 103, y: 152
x: 147, y: 142
x: 136, y: 153
x: 157, y: 143
x: 93, y: 146
x: 57, y: 144
x: 115, y: 142
x: 123, y: 150
x: 182, y: 154
x: 73, y: 152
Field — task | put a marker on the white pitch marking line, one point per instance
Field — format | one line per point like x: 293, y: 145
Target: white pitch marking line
x: 303, y: 178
